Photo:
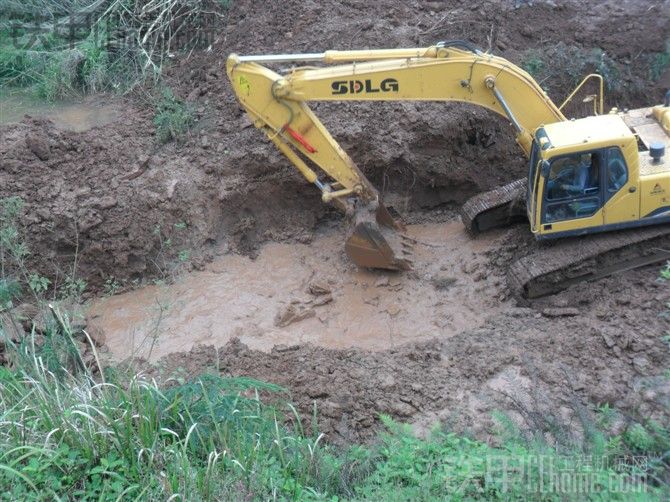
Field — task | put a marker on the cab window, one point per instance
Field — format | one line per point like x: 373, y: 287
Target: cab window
x: 572, y: 189
x: 573, y: 176
x: 532, y: 170
x: 617, y: 173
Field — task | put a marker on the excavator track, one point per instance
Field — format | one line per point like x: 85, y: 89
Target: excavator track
x: 497, y: 208
x: 554, y: 267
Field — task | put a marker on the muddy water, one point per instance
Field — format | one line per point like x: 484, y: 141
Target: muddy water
x: 73, y: 115
x: 297, y: 293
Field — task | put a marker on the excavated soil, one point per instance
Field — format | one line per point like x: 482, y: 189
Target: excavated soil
x: 264, y: 250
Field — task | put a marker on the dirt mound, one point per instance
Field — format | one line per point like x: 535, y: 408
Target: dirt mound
x: 113, y: 204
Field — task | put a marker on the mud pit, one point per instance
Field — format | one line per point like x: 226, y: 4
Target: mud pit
x: 71, y: 115
x: 310, y: 293
x: 543, y: 366
x: 418, y: 346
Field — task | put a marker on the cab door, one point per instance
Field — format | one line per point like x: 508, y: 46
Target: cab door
x: 622, y: 199
x: 572, y: 198
x: 533, y: 183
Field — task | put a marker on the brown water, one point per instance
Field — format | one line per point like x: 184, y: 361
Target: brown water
x: 239, y: 297
x: 74, y: 115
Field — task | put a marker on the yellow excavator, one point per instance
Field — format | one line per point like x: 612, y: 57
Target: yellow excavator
x: 599, y: 183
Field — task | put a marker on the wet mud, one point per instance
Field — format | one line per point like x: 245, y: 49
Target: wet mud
x: 310, y: 293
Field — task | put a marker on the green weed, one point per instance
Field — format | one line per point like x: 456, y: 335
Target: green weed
x: 560, y: 68
x: 173, y: 118
x: 172, y: 253
x: 18, y: 67
x: 533, y: 64
x: 112, y: 286
x: 66, y: 434
x: 660, y: 62
x: 58, y: 79
x: 664, y: 273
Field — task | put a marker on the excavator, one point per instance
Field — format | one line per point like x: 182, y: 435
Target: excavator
x: 597, y: 193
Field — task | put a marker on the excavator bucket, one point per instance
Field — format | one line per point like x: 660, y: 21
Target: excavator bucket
x: 376, y: 241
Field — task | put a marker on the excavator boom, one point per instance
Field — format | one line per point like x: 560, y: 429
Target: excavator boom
x: 278, y: 104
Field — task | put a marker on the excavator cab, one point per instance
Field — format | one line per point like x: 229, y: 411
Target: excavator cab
x: 584, y: 177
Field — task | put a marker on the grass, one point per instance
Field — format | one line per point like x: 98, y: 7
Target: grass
x: 120, y: 47
x: 660, y: 62
x: 77, y: 438
x: 60, y: 70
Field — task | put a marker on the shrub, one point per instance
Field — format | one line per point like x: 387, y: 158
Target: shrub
x: 560, y: 68
x: 660, y: 62
x: 173, y: 118
x: 59, y: 78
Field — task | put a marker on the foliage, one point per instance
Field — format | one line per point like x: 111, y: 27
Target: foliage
x: 65, y: 434
x: 38, y: 284
x: 112, y: 286
x: 13, y: 251
x: 58, y: 77
x: 570, y: 64
x: 660, y: 62
x: 664, y: 274
x: 559, y: 68
x: 9, y: 290
x: 18, y: 67
x: 71, y: 46
x: 173, y: 118
x: 173, y: 253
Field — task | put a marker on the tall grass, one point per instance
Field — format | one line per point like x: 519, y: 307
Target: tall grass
x: 73, y: 435
x: 73, y: 46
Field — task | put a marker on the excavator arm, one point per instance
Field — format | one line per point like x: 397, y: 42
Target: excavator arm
x: 277, y: 104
